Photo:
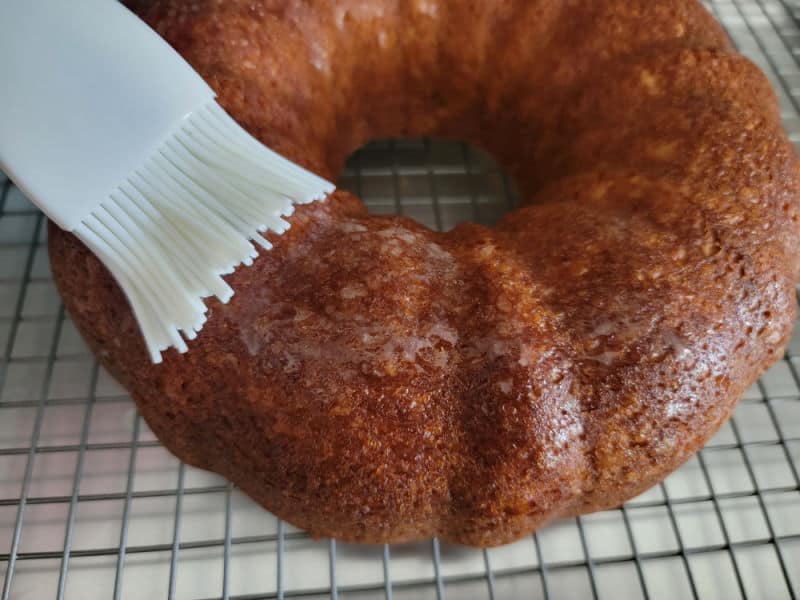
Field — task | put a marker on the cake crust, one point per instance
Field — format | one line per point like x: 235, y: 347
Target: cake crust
x: 376, y: 381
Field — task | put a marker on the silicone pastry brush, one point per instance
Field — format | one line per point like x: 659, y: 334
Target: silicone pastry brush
x: 118, y: 140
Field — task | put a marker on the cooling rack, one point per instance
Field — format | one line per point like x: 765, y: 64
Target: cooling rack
x: 92, y: 507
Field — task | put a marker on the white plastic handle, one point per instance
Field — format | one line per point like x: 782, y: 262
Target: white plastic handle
x: 88, y: 93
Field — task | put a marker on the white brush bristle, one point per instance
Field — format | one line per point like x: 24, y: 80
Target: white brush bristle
x: 189, y: 216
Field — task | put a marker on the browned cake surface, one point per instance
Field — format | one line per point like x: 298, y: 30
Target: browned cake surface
x: 376, y: 381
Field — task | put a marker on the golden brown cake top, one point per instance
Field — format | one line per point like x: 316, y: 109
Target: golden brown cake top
x: 377, y: 381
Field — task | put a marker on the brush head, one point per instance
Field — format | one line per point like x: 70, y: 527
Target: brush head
x: 190, y: 215
x: 172, y: 194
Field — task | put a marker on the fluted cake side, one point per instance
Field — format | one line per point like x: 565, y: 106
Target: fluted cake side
x: 376, y: 381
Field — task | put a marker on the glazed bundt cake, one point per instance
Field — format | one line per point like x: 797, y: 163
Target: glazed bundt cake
x: 377, y: 381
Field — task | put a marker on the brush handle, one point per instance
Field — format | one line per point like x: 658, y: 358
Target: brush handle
x: 88, y: 93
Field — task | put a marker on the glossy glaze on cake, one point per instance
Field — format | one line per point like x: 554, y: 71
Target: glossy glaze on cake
x: 376, y: 381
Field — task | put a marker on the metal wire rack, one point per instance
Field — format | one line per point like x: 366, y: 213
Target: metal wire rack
x: 91, y: 505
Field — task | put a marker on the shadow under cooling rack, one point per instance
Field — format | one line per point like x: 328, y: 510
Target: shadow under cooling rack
x: 92, y: 506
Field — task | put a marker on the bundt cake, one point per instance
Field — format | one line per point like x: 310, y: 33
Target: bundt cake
x: 377, y: 381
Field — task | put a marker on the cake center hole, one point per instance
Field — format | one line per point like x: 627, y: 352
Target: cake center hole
x: 435, y: 182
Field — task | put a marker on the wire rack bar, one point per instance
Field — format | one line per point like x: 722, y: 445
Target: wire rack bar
x: 176, y: 533
x: 589, y: 561
x: 387, y: 577
x: 280, y: 559
x: 723, y: 527
x: 487, y: 565
x: 437, y: 569
x: 549, y: 566
x: 542, y: 566
x: 123, y: 534
x: 73, y: 501
x: 676, y: 531
x: 12, y: 559
x: 227, y: 546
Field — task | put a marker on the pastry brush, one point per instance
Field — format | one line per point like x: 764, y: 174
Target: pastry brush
x: 112, y: 134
